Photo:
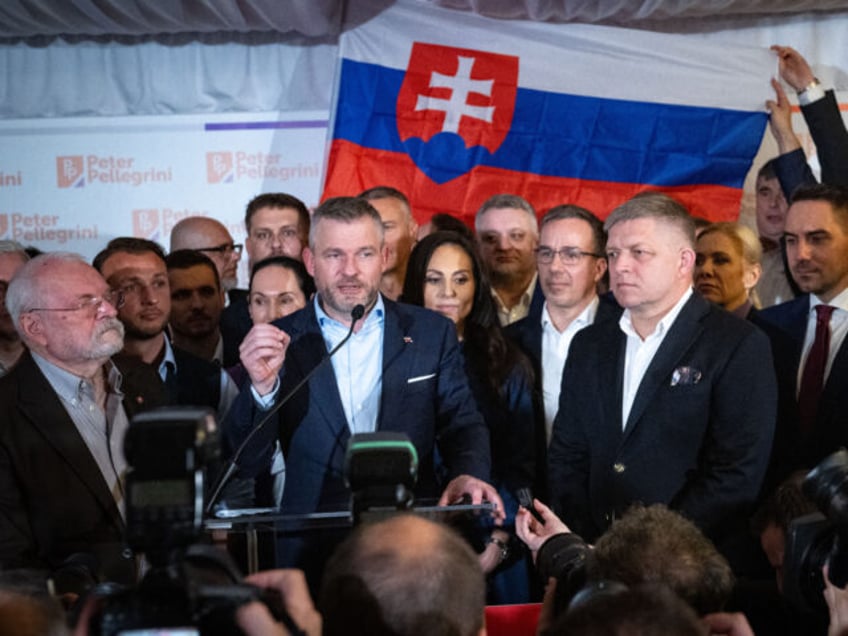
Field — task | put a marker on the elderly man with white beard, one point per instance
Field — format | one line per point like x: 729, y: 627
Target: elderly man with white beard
x: 65, y: 409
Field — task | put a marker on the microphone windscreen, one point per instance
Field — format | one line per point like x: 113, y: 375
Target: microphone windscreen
x: 357, y: 312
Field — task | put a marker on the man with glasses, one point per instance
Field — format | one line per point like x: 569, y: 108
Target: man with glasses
x: 507, y: 233
x: 12, y: 258
x: 570, y: 263
x: 65, y: 410
x: 204, y: 234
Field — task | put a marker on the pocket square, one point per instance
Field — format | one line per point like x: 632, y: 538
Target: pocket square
x: 685, y: 376
x: 420, y: 378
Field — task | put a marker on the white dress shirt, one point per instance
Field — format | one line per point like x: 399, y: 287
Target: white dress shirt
x: 640, y: 352
x: 555, y: 345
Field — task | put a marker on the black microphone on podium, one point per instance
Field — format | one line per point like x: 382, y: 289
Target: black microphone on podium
x: 232, y: 465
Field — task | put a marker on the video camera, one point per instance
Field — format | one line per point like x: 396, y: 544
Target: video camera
x: 191, y: 589
x: 818, y: 539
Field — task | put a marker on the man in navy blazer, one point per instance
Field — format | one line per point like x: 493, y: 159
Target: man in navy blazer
x: 670, y: 404
x: 817, y: 249
x: 401, y: 371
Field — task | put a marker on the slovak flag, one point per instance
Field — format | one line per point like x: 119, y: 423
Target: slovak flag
x: 451, y: 108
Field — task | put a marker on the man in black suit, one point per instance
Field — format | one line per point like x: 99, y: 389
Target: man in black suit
x: 137, y: 268
x: 570, y: 261
x: 65, y: 410
x: 671, y: 404
x: 817, y: 248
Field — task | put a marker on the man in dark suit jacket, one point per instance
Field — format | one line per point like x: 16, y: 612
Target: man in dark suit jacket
x: 671, y: 403
x: 570, y: 263
x: 416, y: 385
x: 65, y: 408
x: 817, y: 248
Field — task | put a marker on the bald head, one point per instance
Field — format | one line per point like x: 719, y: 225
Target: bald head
x: 207, y: 235
x: 403, y: 576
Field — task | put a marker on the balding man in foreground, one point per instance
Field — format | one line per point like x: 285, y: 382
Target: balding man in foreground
x: 405, y: 576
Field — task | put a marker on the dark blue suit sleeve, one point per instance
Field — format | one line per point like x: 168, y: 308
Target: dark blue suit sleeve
x: 830, y: 136
x: 244, y: 415
x: 463, y: 439
x: 792, y: 171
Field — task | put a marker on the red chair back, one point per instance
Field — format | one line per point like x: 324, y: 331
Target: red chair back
x: 512, y: 620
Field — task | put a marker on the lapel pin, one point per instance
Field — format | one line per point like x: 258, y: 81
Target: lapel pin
x: 407, y: 340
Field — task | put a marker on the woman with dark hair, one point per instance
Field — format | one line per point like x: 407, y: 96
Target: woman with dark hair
x: 445, y: 274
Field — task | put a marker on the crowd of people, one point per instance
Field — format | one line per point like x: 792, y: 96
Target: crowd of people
x: 653, y: 384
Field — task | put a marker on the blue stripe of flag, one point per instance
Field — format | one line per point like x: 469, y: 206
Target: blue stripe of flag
x: 572, y: 136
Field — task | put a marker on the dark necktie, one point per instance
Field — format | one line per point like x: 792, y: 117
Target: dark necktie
x: 812, y: 380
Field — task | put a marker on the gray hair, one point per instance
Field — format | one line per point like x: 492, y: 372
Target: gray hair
x: 500, y: 201
x: 655, y: 205
x: 26, y: 289
x: 13, y: 247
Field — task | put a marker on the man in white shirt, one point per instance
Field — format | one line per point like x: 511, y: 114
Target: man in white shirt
x: 671, y: 403
x: 507, y: 232
x: 570, y: 261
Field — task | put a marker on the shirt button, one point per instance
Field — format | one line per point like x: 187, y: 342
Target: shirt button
x: 127, y: 553
x: 618, y: 467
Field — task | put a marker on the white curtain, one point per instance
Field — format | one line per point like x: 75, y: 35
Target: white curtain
x: 274, y: 68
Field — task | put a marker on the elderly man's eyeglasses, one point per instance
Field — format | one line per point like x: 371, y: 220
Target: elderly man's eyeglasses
x: 568, y: 255
x: 90, y: 304
x: 224, y: 248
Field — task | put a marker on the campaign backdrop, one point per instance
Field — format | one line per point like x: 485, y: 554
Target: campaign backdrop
x: 73, y: 184
x: 451, y: 108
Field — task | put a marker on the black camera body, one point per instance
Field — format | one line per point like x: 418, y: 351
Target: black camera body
x: 191, y: 589
x: 816, y: 540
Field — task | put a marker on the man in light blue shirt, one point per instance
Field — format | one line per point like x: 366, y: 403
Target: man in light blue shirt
x: 401, y: 371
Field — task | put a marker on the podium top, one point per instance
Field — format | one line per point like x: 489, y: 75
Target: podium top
x: 244, y: 519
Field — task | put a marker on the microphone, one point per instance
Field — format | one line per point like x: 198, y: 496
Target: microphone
x: 232, y: 465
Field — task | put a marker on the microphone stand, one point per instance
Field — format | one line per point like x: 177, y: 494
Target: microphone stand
x: 356, y: 314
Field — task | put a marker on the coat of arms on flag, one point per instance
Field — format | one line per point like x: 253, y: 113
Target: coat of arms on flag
x: 453, y: 105
x: 453, y: 108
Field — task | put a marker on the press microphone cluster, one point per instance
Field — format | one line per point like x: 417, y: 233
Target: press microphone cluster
x: 232, y: 465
